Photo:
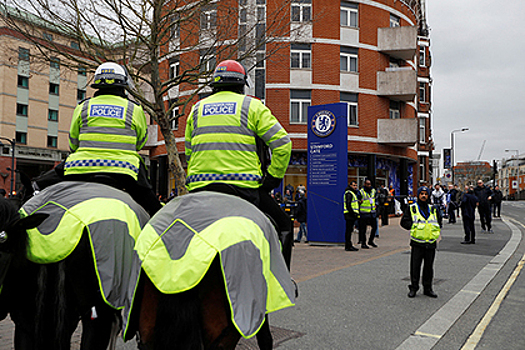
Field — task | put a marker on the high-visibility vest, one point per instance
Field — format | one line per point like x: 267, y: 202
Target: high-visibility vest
x: 110, y: 218
x: 221, y: 145
x: 180, y: 242
x: 424, y: 230
x: 368, y: 205
x: 354, y: 204
x: 106, y: 133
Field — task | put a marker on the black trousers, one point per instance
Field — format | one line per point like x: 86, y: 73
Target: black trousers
x: 417, y: 257
x: 470, y: 231
x: 350, y: 222
x: 497, y: 209
x: 484, y: 216
x: 363, y: 224
x: 451, y: 213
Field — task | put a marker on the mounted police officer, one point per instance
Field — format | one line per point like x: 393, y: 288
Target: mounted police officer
x: 351, y: 201
x: 106, y: 133
x: 424, y: 222
x: 227, y: 139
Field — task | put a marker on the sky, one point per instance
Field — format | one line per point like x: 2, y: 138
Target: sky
x: 478, y: 74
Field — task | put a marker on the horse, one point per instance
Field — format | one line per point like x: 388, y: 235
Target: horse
x: 75, y: 262
x: 212, y: 270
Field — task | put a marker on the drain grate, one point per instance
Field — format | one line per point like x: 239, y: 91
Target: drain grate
x: 280, y: 335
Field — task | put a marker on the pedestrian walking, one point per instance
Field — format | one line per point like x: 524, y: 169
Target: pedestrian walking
x: 451, y: 203
x: 367, y: 215
x: 438, y: 199
x: 300, y: 216
x: 424, y: 223
x: 469, y: 202
x: 351, y: 201
x: 484, y: 195
x: 497, y: 197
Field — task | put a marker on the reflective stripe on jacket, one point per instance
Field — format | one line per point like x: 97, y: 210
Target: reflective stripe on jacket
x: 424, y: 230
x: 368, y: 205
x: 181, y: 241
x: 221, y: 146
x: 106, y: 133
x: 354, y: 204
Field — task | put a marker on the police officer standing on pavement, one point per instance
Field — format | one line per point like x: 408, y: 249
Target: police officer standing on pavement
x: 367, y: 215
x: 484, y: 195
x: 351, y: 213
x: 424, y: 224
x: 227, y: 138
x: 106, y: 133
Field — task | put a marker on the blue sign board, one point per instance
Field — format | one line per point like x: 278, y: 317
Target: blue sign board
x: 327, y: 172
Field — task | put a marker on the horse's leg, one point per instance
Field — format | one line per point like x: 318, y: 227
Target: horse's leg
x: 264, y: 336
x: 148, y: 313
x: 97, y: 327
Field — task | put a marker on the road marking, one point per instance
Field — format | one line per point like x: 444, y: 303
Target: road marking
x: 475, y: 337
x: 427, y: 335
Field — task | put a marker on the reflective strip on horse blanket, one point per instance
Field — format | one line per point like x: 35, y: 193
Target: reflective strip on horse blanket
x: 112, y: 220
x: 181, y: 241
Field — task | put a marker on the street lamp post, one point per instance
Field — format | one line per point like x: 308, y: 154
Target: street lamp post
x: 452, y: 149
x: 12, y: 142
x: 518, y: 164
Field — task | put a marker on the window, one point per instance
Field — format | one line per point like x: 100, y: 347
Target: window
x: 209, y: 18
x: 301, y: 10
x: 175, y: 26
x: 23, y: 82
x: 53, y: 88
x: 81, y: 95
x: 395, y: 21
x: 208, y: 61
x: 260, y: 76
x: 21, y: 110
x: 23, y: 54
x: 82, y: 71
x: 422, y: 169
x: 351, y: 100
x: 422, y: 56
x: 48, y: 37
x: 21, y: 137
x: 52, y: 115
x: 74, y: 45
x: 300, y: 100
x: 349, y: 14
x: 174, y: 118
x: 174, y: 69
x: 52, y: 141
x: 422, y: 130
x: 55, y: 63
x: 395, y: 110
x: 348, y: 58
x: 260, y: 34
x: 301, y: 56
x: 422, y: 93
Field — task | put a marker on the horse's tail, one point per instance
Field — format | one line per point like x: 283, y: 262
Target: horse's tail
x: 57, y: 311
x: 178, y: 324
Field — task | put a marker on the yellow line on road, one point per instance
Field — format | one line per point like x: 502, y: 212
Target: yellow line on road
x: 475, y: 337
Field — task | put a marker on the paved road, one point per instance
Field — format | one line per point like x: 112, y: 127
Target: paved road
x: 358, y: 300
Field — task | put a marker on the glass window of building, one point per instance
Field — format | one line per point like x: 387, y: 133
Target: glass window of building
x: 422, y: 94
x: 395, y: 21
x: 21, y: 109
x: 300, y: 100
x: 21, y: 137
x: 23, y: 54
x: 422, y: 56
x: 209, y: 18
x: 348, y: 59
x: 349, y: 14
x: 55, y: 63
x: 52, y: 141
x: 52, y: 115
x: 422, y: 130
x: 395, y: 110
x: 23, y: 82
x: 351, y: 100
x: 300, y: 56
x: 301, y: 10
x: 53, y: 88
x: 81, y: 94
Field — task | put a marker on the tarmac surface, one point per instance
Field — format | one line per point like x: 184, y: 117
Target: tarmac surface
x: 358, y: 300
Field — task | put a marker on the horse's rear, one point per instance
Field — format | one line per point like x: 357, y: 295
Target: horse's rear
x: 212, y: 269
x: 80, y: 266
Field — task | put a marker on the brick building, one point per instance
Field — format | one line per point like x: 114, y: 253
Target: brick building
x: 372, y: 55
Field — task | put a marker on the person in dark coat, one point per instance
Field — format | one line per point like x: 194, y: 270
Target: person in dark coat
x: 300, y: 216
x: 423, y: 235
x: 351, y: 200
x: 496, y: 200
x: 484, y: 195
x: 468, y: 205
x: 451, y: 203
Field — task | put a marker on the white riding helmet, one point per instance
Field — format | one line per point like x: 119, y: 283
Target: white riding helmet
x: 110, y: 74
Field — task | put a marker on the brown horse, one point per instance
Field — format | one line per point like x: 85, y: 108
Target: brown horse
x: 216, y: 286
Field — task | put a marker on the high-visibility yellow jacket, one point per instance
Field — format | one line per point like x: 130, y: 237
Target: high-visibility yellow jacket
x: 424, y: 230
x: 220, y: 141
x: 354, y: 203
x: 106, y: 133
x: 369, y: 202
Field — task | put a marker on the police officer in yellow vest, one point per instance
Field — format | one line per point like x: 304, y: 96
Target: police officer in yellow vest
x: 106, y: 133
x: 227, y: 135
x: 424, y: 223
x: 351, y: 201
x: 367, y: 214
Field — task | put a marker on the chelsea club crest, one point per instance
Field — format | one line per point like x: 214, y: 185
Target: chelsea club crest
x: 323, y: 123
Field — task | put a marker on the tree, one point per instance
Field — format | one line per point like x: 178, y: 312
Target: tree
x: 144, y: 35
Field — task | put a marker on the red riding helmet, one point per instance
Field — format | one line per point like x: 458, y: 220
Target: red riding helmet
x: 229, y: 72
